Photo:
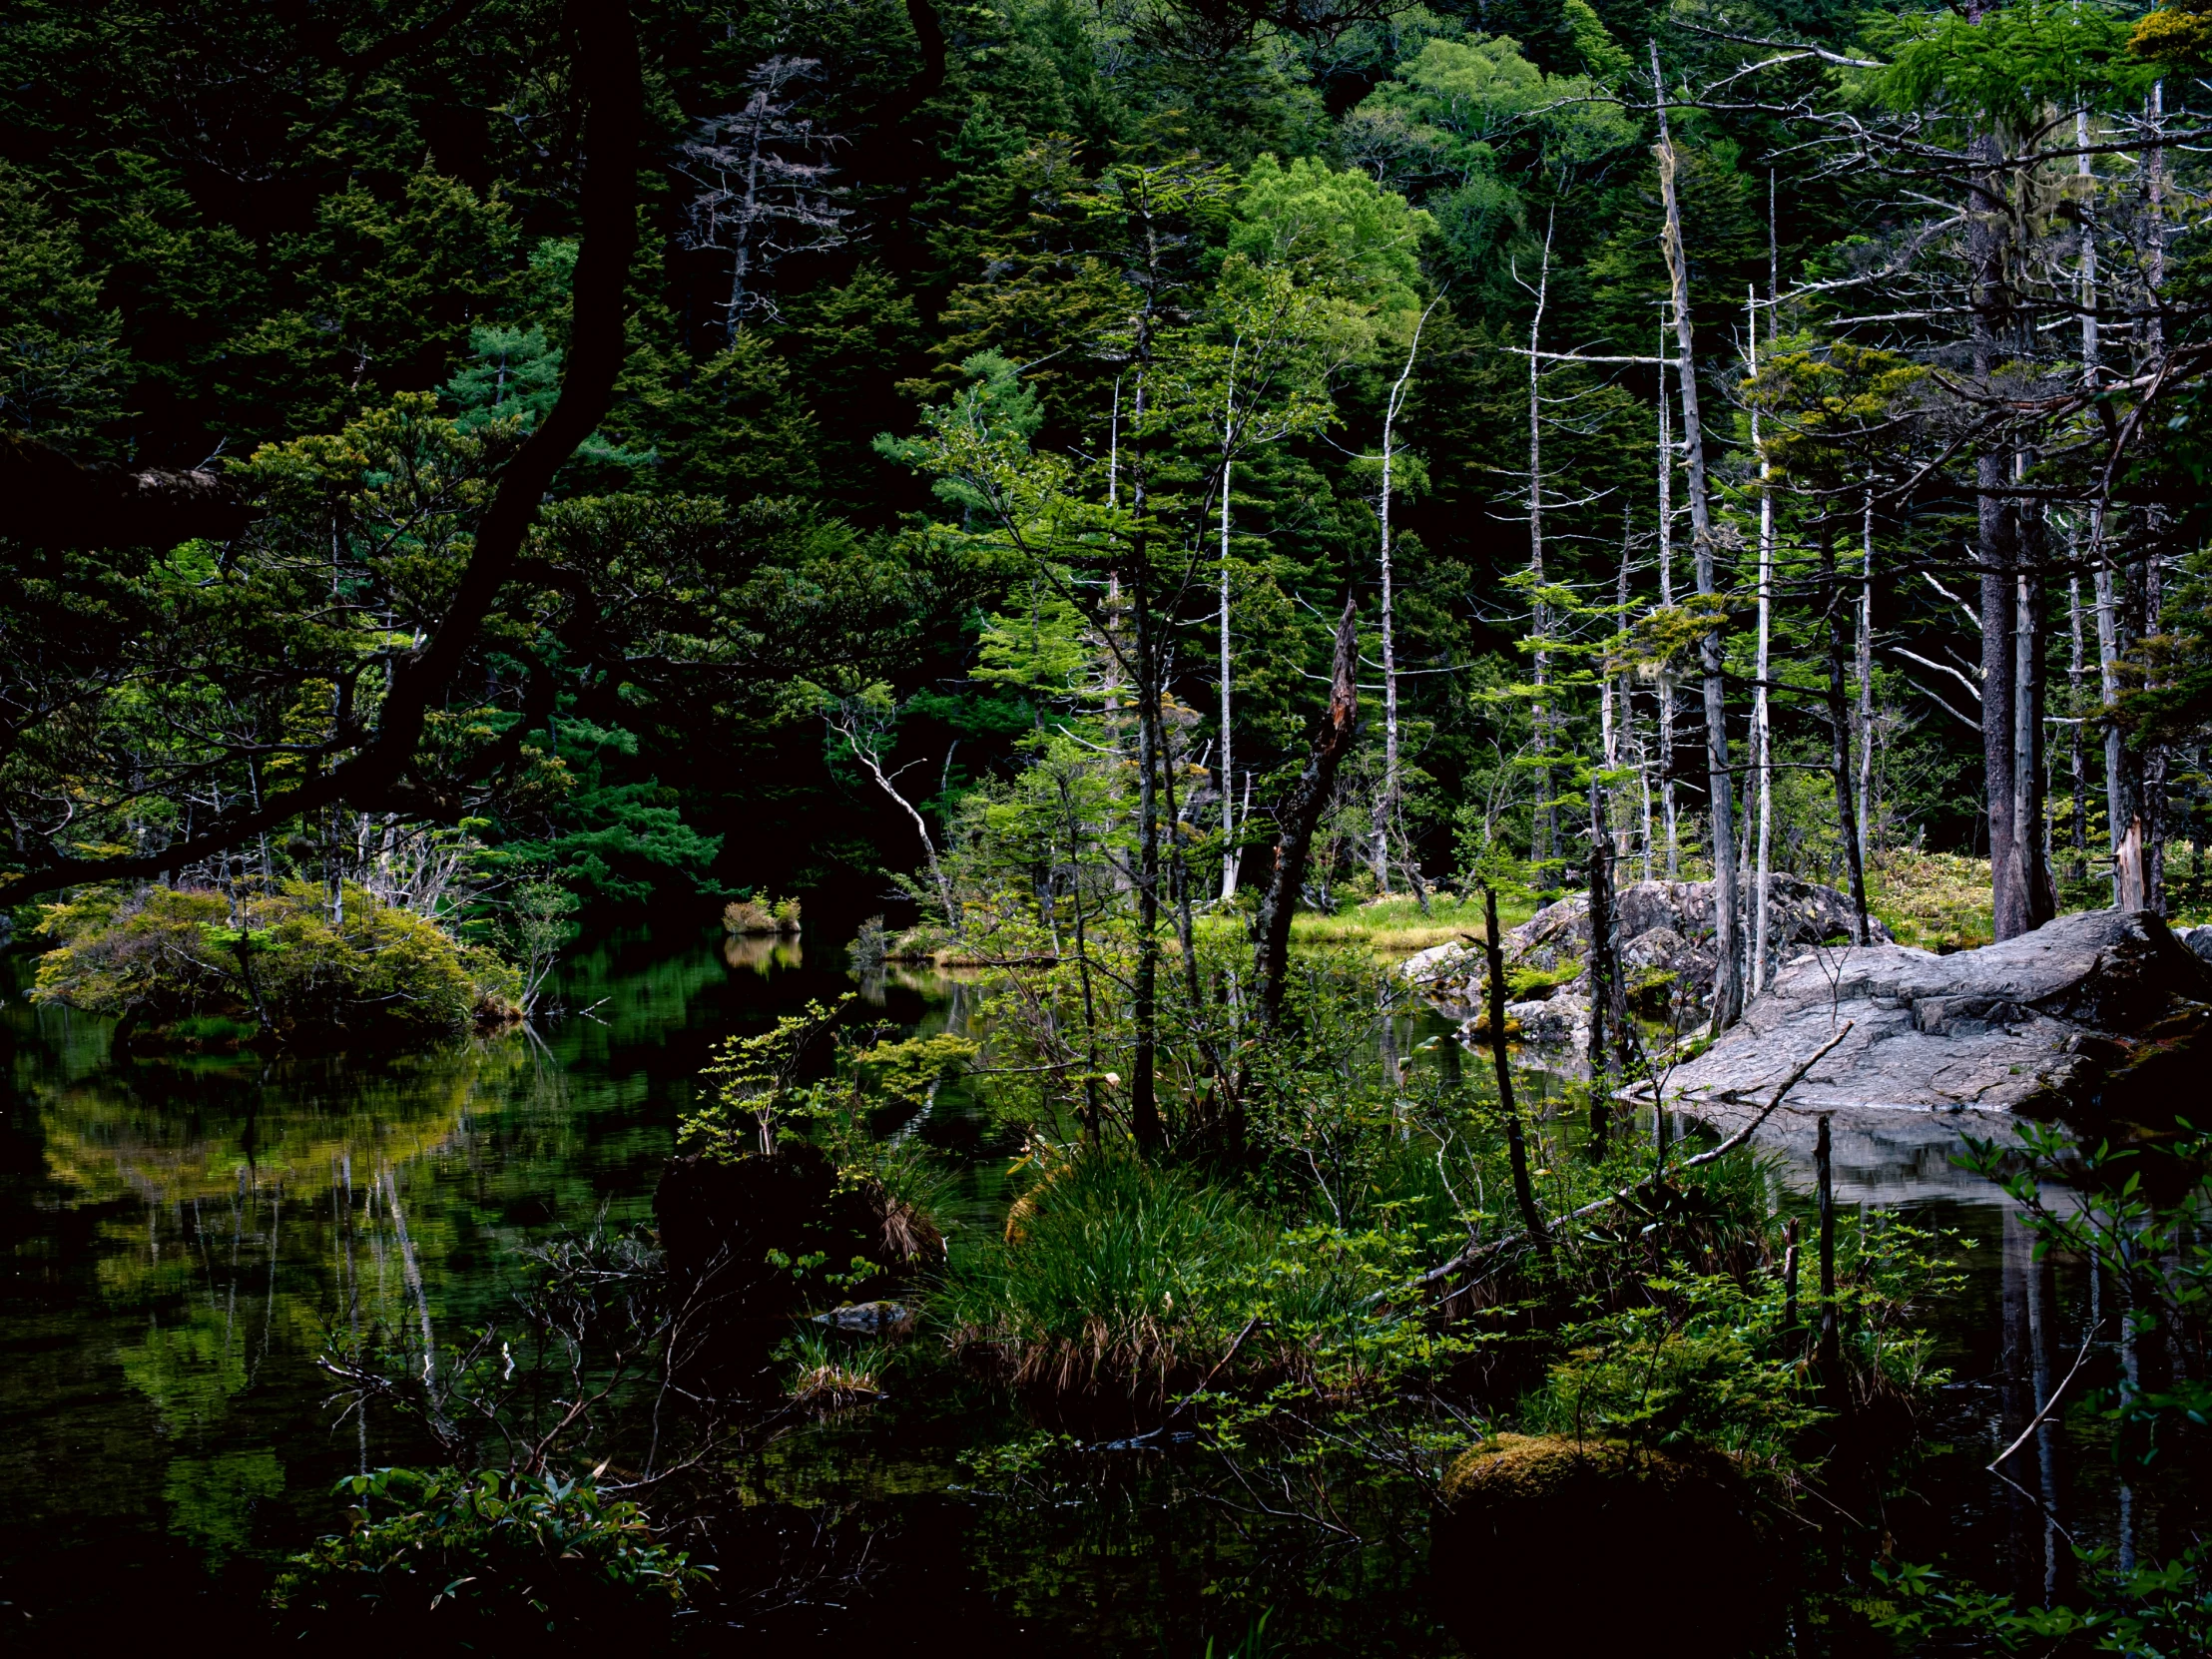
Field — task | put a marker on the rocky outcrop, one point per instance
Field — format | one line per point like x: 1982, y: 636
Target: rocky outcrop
x: 2100, y: 1013
x: 1665, y: 934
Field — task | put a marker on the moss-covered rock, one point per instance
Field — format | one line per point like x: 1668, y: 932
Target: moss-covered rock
x: 1568, y: 1547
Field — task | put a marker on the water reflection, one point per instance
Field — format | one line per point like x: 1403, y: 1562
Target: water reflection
x: 184, y: 1237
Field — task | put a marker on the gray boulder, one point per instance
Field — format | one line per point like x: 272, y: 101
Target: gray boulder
x: 2102, y: 1010
x: 1665, y: 931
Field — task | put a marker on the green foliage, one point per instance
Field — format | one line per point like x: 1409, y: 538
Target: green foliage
x: 2011, y: 66
x: 463, y: 1552
x: 198, y: 968
x: 60, y: 371
x: 2146, y: 1612
x: 757, y: 1078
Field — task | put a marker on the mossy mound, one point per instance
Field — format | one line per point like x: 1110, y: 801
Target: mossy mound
x: 1572, y: 1547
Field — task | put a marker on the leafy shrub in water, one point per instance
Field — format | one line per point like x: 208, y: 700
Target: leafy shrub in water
x: 456, y: 1551
x: 183, y: 967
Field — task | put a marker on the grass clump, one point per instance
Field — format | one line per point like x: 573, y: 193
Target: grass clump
x: 755, y: 917
x: 1116, y: 1282
x: 826, y: 1376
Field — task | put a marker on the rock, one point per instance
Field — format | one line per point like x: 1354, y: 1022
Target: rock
x: 1550, y: 1546
x: 2099, y: 1012
x: 1665, y: 934
x: 868, y: 1317
x: 2198, y: 940
x: 1558, y: 1022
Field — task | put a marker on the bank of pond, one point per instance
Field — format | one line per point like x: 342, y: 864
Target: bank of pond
x: 774, y: 1306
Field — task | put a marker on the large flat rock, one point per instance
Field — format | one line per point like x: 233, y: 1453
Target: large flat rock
x: 2102, y: 1009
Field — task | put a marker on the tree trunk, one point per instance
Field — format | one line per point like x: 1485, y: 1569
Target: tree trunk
x: 1728, y: 991
x: 1228, y: 771
x: 2121, y: 788
x: 1761, y: 717
x: 2028, y: 682
x: 1544, y: 831
x: 1838, y: 729
x: 1864, y: 666
x: 1301, y: 813
x: 2077, y: 715
x: 1666, y: 601
x: 1516, y: 1142
x: 1144, y: 1105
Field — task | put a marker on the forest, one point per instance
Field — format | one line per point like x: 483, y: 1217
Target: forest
x: 1233, y: 757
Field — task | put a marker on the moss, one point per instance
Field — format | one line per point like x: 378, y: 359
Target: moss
x: 1569, y: 1546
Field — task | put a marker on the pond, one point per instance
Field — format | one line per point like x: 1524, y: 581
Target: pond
x: 182, y: 1237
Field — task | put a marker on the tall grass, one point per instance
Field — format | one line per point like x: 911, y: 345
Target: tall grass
x: 1117, y: 1282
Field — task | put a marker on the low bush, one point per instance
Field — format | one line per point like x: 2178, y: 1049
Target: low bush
x: 445, y: 1551
x: 191, y: 968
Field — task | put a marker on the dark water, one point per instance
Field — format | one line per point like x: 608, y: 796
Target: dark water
x: 181, y: 1238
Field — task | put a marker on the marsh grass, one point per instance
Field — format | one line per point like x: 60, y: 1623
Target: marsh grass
x: 828, y: 1374
x: 1118, y: 1283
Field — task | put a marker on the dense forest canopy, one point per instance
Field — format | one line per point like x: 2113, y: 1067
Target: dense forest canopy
x: 1793, y: 400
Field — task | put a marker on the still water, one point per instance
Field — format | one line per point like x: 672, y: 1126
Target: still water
x: 181, y: 1238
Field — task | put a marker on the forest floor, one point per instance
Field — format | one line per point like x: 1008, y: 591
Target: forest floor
x: 1934, y: 901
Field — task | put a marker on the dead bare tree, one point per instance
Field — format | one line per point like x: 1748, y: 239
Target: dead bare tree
x: 764, y: 186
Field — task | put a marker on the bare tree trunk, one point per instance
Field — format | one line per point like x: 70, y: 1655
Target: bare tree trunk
x: 1386, y: 818
x: 1300, y: 813
x: 2028, y: 680
x: 2120, y: 789
x: 1762, y: 729
x: 1544, y: 829
x: 2076, y: 711
x: 1838, y: 727
x: 1516, y: 1143
x: 1618, y: 739
x: 1997, y: 552
x: 1229, y: 858
x: 1864, y: 666
x: 1144, y: 1105
x: 1728, y: 995
x: 1666, y: 601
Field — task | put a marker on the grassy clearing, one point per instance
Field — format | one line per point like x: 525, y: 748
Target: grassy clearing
x: 1392, y: 926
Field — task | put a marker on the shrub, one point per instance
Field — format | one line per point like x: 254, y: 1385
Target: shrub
x: 753, y: 916
x: 747, y: 916
x: 868, y: 948
x: 185, y: 968
x: 450, y: 1549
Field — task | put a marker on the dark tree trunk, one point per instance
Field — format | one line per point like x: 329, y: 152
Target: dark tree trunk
x: 1143, y: 1103
x: 1517, y: 1141
x: 1293, y: 845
